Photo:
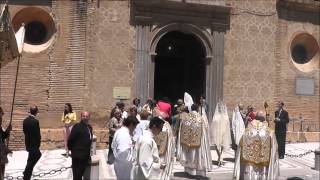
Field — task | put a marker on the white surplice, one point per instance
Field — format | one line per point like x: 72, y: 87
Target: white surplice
x: 253, y: 168
x: 168, y: 157
x: 122, y: 149
x: 143, y: 125
x: 238, y: 126
x: 196, y: 161
x: 147, y: 160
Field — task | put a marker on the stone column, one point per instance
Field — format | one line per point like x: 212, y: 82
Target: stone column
x: 214, y: 73
x: 144, y: 66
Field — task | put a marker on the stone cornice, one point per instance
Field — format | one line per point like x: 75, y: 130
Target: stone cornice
x: 311, y: 6
x: 148, y: 12
x: 300, y: 11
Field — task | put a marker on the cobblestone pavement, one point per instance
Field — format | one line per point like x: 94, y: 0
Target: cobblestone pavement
x: 53, y: 161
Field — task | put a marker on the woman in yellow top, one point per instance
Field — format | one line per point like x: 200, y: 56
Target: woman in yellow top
x: 69, y: 118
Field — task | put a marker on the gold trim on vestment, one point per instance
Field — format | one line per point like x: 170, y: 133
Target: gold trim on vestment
x: 256, y: 145
x: 191, y: 131
x: 162, y: 142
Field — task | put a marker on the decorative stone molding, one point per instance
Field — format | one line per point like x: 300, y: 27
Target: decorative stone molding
x: 298, y: 5
x: 301, y: 11
x: 203, y: 36
x: 155, y: 18
x: 161, y: 11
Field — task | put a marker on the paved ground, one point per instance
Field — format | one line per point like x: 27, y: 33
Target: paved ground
x: 53, y: 160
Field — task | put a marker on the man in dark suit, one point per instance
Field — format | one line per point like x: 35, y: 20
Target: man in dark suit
x: 79, y: 143
x: 281, y: 121
x: 31, y: 130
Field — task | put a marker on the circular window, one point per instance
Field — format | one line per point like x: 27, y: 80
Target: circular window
x: 35, y: 33
x: 299, y: 54
x: 304, y: 51
x: 39, y: 27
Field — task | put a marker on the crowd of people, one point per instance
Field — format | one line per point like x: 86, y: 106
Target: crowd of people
x: 145, y: 140
x: 183, y: 132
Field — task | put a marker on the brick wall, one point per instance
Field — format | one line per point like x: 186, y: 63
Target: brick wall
x: 249, y: 64
x: 52, y: 77
x: 302, y: 107
x: 258, y: 66
x: 91, y: 54
x: 111, y: 56
x: 95, y: 52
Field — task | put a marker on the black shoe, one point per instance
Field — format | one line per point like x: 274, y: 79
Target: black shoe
x: 281, y: 157
x: 66, y: 154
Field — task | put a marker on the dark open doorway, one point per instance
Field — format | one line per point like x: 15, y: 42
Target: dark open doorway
x: 179, y: 67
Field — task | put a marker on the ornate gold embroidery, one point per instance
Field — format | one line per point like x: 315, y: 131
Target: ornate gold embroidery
x: 256, y: 145
x: 191, y: 131
x: 162, y: 142
x: 162, y: 139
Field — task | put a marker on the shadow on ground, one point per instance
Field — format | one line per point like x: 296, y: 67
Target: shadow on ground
x: 229, y: 159
x: 186, y: 175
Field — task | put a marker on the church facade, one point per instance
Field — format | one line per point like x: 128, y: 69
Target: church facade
x: 93, y: 53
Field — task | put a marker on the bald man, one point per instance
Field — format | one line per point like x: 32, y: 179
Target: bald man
x: 31, y: 130
x: 79, y: 143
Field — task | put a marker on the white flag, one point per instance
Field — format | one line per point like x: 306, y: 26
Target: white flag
x: 188, y: 100
x: 20, y: 38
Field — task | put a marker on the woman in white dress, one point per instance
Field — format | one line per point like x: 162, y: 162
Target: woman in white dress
x: 220, y: 130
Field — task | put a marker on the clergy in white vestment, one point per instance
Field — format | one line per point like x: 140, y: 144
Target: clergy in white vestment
x: 143, y: 125
x: 238, y: 126
x: 203, y: 107
x: 193, y: 144
x: 203, y: 111
x: 122, y: 147
x: 147, y: 163
x: 220, y: 130
x: 165, y: 143
x: 257, y: 157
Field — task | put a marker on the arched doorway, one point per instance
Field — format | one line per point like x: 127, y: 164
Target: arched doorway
x: 179, y: 66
